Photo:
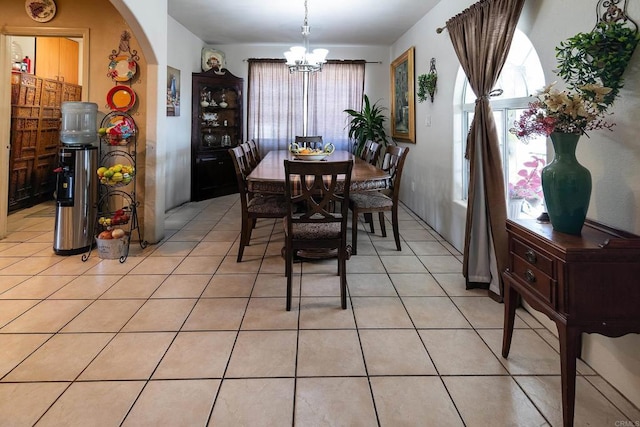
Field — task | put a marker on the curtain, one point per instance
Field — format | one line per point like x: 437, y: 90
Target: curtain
x: 275, y: 96
x: 481, y: 37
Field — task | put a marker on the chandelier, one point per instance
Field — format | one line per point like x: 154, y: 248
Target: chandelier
x: 299, y: 58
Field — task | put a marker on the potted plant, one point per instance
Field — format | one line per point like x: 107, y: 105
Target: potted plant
x: 366, y: 125
x: 598, y: 57
x: 427, y: 85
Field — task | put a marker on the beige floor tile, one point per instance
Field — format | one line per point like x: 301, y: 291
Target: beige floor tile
x: 335, y: 401
x: 270, y: 313
x: 199, y: 265
x: 529, y: 354
x: 416, y: 284
x: 102, y: 403
x: 197, y: 355
x: 230, y: 285
x: 173, y: 248
x: 263, y: 354
x: 37, y: 287
x: 325, y: 313
x: 104, y: 316
x: 427, y: 247
x: 71, y: 265
x: 27, y: 249
x: 157, y: 265
x: 21, y: 404
x: 484, y: 312
x: 217, y: 235
x: 528, y: 318
x: 275, y: 285
x: 590, y: 407
x: 319, y: 284
x: 454, y: 285
x: 14, y: 348
x: 138, y: 286
x: 9, y: 282
x: 62, y: 358
x: 230, y: 266
x: 411, y: 401
x: 387, y: 246
x: 380, y: 312
x: 414, y: 236
x: 264, y: 402
x: 216, y: 314
x: 10, y: 309
x: 434, y: 312
x: 318, y: 266
x: 441, y: 263
x: 628, y: 409
x: 130, y: 356
x: 395, y: 352
x: 581, y: 367
x: 329, y: 353
x: 212, y: 248
x: 174, y: 403
x: 361, y: 285
x: 188, y: 236
x: 160, y: 315
x: 47, y: 317
x: 31, y: 265
x: 364, y: 264
x: 114, y: 266
x: 273, y: 264
x: 182, y: 286
x: 460, y: 352
x: 86, y: 287
x: 486, y: 401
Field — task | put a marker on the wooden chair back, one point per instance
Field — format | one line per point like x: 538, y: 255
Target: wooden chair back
x: 371, y: 152
x: 393, y: 164
x: 309, y: 141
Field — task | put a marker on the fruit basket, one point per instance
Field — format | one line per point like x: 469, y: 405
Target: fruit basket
x: 112, y: 248
x: 117, y: 129
x: 117, y: 175
x: 115, y: 218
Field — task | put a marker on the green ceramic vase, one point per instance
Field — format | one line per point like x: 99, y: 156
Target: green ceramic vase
x: 566, y: 185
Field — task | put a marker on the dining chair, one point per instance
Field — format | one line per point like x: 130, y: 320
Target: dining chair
x: 371, y: 152
x: 309, y: 141
x: 381, y: 201
x: 253, y: 205
x: 252, y: 161
x: 255, y: 150
x: 314, y: 185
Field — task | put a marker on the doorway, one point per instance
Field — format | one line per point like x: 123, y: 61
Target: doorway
x: 80, y: 34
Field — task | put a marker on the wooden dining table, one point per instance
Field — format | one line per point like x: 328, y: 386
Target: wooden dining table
x: 268, y: 175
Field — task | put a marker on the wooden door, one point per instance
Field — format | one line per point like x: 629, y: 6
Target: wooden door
x: 57, y: 59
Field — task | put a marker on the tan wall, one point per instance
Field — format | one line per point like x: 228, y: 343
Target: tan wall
x: 105, y: 26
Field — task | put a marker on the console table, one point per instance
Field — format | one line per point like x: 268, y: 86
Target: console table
x: 588, y: 283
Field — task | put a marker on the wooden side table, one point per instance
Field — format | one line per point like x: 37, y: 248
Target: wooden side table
x: 588, y: 283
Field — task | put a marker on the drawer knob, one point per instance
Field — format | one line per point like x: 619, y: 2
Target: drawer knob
x: 529, y: 276
x: 530, y: 256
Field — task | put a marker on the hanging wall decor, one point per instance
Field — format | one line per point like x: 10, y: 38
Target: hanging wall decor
x: 123, y: 62
x: 402, y: 98
x: 427, y: 83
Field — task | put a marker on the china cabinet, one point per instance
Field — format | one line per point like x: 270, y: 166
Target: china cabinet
x: 216, y: 126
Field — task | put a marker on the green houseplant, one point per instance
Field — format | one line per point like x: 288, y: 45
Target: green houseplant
x: 427, y: 85
x: 598, y: 57
x: 366, y: 125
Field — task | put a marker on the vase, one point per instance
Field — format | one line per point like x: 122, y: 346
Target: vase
x: 566, y: 185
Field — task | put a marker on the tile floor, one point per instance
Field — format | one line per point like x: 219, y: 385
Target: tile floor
x: 181, y: 334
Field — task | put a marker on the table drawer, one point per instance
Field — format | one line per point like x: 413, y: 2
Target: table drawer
x: 535, y: 279
x: 536, y: 258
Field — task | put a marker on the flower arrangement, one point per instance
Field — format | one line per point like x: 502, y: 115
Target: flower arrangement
x: 563, y: 111
x: 529, y: 186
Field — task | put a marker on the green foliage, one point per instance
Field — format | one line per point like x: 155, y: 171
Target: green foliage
x: 366, y: 125
x: 427, y: 85
x: 598, y: 57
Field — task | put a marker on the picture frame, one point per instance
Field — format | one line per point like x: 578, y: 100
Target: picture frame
x: 173, y: 92
x: 403, y: 123
x: 213, y: 59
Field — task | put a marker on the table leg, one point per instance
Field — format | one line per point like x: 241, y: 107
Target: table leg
x: 568, y: 337
x: 510, y: 304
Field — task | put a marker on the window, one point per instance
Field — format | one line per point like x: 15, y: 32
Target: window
x: 521, y: 76
x: 275, y: 97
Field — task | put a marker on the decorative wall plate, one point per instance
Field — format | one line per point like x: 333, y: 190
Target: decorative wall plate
x: 121, y: 98
x: 41, y: 10
x: 122, y: 68
x: 212, y: 58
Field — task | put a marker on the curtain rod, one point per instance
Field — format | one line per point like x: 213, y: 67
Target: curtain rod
x: 328, y: 60
x: 441, y: 29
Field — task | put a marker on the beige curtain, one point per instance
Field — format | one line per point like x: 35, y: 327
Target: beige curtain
x: 481, y: 37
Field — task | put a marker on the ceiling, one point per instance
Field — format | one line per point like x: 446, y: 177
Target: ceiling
x: 332, y: 22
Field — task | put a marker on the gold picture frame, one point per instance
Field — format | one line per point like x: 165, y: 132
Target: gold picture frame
x: 403, y: 123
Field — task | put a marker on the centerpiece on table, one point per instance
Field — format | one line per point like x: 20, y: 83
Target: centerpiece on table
x: 565, y: 116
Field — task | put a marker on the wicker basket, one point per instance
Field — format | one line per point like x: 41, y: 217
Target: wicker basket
x: 112, y: 248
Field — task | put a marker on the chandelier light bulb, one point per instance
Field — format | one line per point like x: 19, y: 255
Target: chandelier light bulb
x: 299, y: 58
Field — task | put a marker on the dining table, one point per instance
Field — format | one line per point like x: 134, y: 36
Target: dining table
x: 268, y: 176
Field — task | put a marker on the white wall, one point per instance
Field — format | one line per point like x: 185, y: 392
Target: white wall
x: 184, y: 54
x: 612, y: 157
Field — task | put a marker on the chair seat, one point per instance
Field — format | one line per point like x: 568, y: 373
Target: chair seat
x: 261, y: 204
x: 371, y: 200
x: 318, y: 231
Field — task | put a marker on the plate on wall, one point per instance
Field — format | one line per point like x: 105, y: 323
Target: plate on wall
x: 121, y: 98
x: 122, y: 68
x: 212, y: 58
x: 41, y: 10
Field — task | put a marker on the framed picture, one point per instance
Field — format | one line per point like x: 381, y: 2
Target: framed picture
x: 213, y: 59
x: 403, y: 123
x: 173, y: 91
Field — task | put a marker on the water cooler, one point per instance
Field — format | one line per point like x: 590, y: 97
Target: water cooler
x: 77, y: 184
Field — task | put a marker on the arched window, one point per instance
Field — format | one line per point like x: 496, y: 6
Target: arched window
x: 521, y: 77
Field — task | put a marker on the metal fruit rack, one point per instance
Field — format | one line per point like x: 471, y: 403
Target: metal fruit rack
x: 116, y: 206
